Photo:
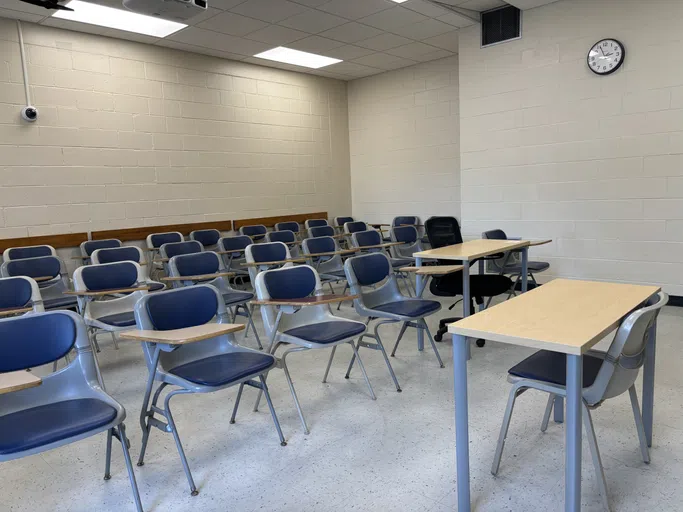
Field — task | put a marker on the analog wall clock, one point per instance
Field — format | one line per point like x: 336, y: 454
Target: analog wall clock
x: 606, y: 56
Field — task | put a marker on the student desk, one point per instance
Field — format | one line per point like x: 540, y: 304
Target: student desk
x: 562, y: 316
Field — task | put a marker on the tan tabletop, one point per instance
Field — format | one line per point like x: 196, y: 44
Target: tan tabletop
x: 333, y: 253
x: 14, y: 311
x: 260, y: 263
x: 16, y: 381
x: 433, y: 270
x: 471, y: 250
x: 43, y: 278
x: 563, y: 315
x: 381, y: 246
x: 232, y: 251
x: 199, y: 277
x: 182, y: 336
x: 534, y: 243
x: 316, y: 300
x: 98, y: 293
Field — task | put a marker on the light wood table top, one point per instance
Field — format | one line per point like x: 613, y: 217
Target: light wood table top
x: 316, y: 300
x: 333, y: 253
x: 473, y: 249
x: 16, y: 381
x: 201, y: 277
x: 42, y: 279
x: 534, y: 243
x: 563, y: 315
x: 433, y: 270
x: 182, y: 336
x: 232, y: 251
x: 100, y: 293
x: 14, y: 311
x: 381, y: 246
x: 263, y: 263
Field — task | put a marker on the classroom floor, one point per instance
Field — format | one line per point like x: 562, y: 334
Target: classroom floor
x: 393, y: 454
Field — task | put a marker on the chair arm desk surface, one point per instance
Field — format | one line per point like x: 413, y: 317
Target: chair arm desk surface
x: 307, y: 301
x: 14, y: 311
x: 200, y: 277
x: 101, y: 293
x: 182, y: 336
x: 433, y: 270
x: 16, y: 381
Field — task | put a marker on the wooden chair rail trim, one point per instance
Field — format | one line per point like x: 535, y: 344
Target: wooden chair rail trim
x: 140, y: 233
x: 269, y: 222
x: 57, y: 241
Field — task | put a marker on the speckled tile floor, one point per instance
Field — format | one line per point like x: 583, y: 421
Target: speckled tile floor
x: 393, y: 454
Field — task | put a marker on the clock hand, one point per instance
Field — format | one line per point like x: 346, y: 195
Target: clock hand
x: 603, y: 53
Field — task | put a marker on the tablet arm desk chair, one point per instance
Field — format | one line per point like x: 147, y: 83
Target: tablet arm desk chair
x: 234, y: 249
x: 317, y: 231
x: 167, y: 251
x: 605, y: 375
x: 154, y: 241
x: 256, y: 232
x: 267, y: 255
x: 202, y: 366
x: 367, y: 242
x: 286, y: 237
x: 207, y: 237
x: 31, y: 251
x: 444, y: 231
x: 330, y: 268
x: 315, y: 223
x: 69, y: 405
x: 18, y: 293
x: 128, y: 253
x: 90, y: 246
x: 289, y: 225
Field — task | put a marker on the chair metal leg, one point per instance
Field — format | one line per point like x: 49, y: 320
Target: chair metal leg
x: 546, y: 414
x: 291, y: 386
x: 329, y: 363
x: 346, y: 286
x: 353, y: 359
x: 595, y: 454
x: 174, y: 430
x: 250, y: 321
x: 514, y: 393
x: 237, y: 404
x: 644, y: 450
x: 386, y: 360
x: 331, y: 288
x: 113, y: 338
x: 129, y: 467
x: 272, y: 410
x: 362, y: 369
x: 107, y: 457
x: 398, y: 340
x: 431, y: 341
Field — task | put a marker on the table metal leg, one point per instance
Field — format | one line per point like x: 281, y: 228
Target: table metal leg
x: 462, y: 442
x: 466, y: 299
x: 418, y: 286
x: 482, y: 271
x: 572, y: 471
x: 525, y: 269
x: 649, y: 383
x: 558, y: 409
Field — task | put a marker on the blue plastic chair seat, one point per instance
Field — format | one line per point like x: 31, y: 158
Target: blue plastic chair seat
x: 552, y: 367
x: 60, y: 302
x: 236, y: 297
x: 327, y: 332
x: 126, y: 319
x: 46, y: 424
x: 401, y: 262
x: 413, y: 308
x: 224, y: 369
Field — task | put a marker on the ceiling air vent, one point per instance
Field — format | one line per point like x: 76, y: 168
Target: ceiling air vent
x: 500, y: 25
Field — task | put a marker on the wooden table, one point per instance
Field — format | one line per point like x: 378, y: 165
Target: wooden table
x: 16, y: 381
x: 466, y: 252
x: 561, y: 316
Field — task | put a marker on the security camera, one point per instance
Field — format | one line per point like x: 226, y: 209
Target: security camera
x: 29, y: 114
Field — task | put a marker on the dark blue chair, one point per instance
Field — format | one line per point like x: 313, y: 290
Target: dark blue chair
x: 31, y: 251
x: 286, y: 237
x: 47, y: 270
x: 207, y: 237
x: 317, y: 231
x: 256, y: 232
x: 129, y: 253
x: 87, y: 248
x: 288, y: 226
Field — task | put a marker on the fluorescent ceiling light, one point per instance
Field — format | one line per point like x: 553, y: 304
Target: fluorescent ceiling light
x: 109, y: 17
x: 399, y: 1
x: 296, y: 57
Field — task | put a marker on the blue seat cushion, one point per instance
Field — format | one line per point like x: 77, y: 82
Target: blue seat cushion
x: 327, y: 332
x: 125, y: 319
x: 46, y: 424
x: 234, y: 297
x: 224, y: 369
x: 413, y: 308
x: 60, y: 302
x: 552, y: 367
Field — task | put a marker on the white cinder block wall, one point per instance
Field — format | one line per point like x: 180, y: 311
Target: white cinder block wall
x: 551, y: 150
x: 404, y: 140
x: 131, y: 134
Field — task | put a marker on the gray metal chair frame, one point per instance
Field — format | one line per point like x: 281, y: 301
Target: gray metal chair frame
x: 161, y: 358
x: 618, y: 373
x: 80, y: 379
x: 385, y: 293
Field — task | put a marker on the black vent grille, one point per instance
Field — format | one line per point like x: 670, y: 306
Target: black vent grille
x: 501, y: 25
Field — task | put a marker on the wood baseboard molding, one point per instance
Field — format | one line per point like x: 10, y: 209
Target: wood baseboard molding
x: 269, y: 222
x: 57, y: 241
x: 140, y: 233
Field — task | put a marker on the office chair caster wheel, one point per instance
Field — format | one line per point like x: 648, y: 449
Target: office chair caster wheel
x: 481, y: 343
x: 438, y: 337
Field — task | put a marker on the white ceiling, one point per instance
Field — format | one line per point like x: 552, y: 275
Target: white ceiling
x: 370, y: 36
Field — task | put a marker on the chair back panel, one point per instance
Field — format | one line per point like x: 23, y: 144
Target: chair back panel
x: 33, y: 340
x: 45, y: 266
x: 366, y: 238
x: 316, y: 223
x: 340, y: 221
x: 405, y: 234
x: 370, y: 269
x: 15, y: 292
x: 317, y: 231
x: 319, y: 244
x: 272, y: 251
x: 159, y: 239
x: 355, y: 227
x: 197, y: 264
x: 288, y: 226
x: 181, y: 307
x: 290, y: 283
x: 405, y: 219
x: 494, y: 234
x: 109, y: 276
x: 207, y: 237
x: 256, y: 232
x: 174, y: 249
x: 35, y: 251
x: 116, y: 255
x: 92, y: 245
x: 284, y: 236
x: 234, y: 243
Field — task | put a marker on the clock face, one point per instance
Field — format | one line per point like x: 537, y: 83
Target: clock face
x: 606, y: 56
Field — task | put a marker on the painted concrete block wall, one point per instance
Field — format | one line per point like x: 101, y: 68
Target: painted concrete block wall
x: 131, y: 134
x: 551, y: 150
x: 404, y: 140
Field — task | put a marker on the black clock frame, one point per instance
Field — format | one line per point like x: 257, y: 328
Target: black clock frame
x: 623, y: 56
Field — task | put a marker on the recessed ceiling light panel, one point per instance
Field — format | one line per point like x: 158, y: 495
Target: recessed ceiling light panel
x: 298, y: 58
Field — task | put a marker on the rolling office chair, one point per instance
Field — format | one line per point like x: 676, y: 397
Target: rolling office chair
x: 511, y: 264
x: 605, y: 375
x: 444, y: 231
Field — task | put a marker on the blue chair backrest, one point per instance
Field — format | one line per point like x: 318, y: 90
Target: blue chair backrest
x: 343, y: 220
x: 19, y: 253
x: 33, y: 340
x: 107, y: 277
x: 320, y: 244
x: 119, y: 254
x: 406, y: 234
x: 282, y: 236
x: 46, y: 266
x: 182, y: 307
x: 15, y: 292
x: 256, y: 232
x: 495, y: 234
x: 234, y: 243
x: 165, y: 238
x: 355, y: 227
x: 317, y: 231
x: 290, y: 283
x: 175, y: 249
x: 288, y: 226
x: 92, y: 245
x: 314, y: 223
x: 206, y: 237
x: 404, y: 220
x: 370, y: 268
x: 370, y: 237
x: 197, y: 264
x: 273, y: 251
